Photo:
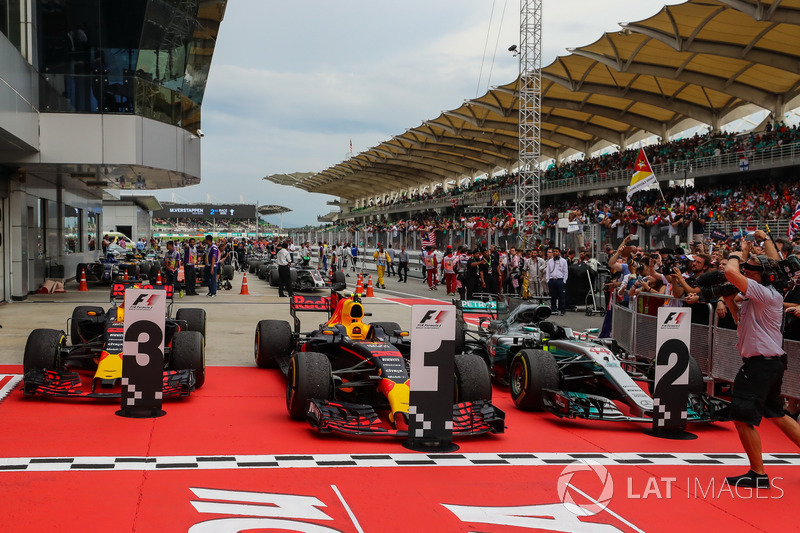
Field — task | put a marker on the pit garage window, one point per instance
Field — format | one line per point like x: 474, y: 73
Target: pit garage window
x: 73, y: 242
x: 92, y: 223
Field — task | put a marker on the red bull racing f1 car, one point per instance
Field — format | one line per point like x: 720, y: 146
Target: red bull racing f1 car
x: 352, y: 377
x: 90, y: 366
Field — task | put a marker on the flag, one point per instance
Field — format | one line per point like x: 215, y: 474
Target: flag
x: 428, y: 239
x: 794, y: 223
x: 351, y: 146
x: 643, y: 177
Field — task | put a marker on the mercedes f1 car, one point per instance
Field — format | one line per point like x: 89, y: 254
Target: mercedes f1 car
x: 352, y: 377
x: 307, y: 278
x: 547, y: 367
x: 90, y: 366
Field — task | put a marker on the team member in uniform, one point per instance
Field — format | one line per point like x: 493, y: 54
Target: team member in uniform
x: 189, y: 268
x: 757, y: 387
x: 449, y: 268
x: 212, y: 260
x: 430, y: 268
x: 381, y: 260
x: 172, y: 262
x: 283, y: 259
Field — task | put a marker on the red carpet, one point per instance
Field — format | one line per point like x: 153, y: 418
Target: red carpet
x: 75, y: 466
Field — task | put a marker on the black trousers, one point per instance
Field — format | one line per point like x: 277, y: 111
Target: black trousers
x: 284, y: 280
x: 402, y: 267
x: 190, y: 278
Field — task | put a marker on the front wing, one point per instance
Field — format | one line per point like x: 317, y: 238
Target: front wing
x: 564, y: 404
x: 65, y: 384
x: 469, y: 418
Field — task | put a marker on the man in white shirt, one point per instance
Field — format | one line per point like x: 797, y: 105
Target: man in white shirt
x: 556, y: 275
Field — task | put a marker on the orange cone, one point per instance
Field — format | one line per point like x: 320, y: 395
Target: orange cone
x: 83, y: 286
x: 125, y: 277
x: 360, y: 285
x: 369, y: 287
x: 244, y: 285
x: 158, y: 279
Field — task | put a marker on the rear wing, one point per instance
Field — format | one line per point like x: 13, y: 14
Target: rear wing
x: 118, y: 289
x: 314, y: 304
x: 492, y: 305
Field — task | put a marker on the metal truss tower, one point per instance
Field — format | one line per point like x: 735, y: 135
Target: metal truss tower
x: 527, y: 200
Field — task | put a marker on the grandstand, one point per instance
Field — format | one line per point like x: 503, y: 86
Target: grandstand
x: 674, y: 83
x: 220, y: 220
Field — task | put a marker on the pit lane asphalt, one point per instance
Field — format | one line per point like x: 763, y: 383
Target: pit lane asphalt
x: 231, y: 317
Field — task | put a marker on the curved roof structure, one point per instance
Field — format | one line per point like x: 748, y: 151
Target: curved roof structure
x: 700, y: 62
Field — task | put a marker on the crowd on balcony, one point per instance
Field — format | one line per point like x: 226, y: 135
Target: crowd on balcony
x: 686, y: 149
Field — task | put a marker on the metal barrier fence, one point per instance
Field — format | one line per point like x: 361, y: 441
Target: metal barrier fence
x: 713, y: 348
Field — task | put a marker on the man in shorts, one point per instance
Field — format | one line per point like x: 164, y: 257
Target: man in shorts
x: 757, y: 387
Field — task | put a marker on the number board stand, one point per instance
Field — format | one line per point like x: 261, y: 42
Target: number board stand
x: 671, y: 385
x: 430, y: 409
x: 143, y: 353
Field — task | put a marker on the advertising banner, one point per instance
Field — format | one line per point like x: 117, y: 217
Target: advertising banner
x: 143, y: 353
x: 433, y: 330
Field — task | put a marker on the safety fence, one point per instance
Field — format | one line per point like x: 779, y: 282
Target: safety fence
x: 713, y: 347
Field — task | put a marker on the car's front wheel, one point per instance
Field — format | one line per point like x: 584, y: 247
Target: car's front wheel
x: 531, y: 372
x: 309, y: 379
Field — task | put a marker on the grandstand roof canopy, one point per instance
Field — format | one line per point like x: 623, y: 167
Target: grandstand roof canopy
x: 700, y: 62
x: 272, y: 209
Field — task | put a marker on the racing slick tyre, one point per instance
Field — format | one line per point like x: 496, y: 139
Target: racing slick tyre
x: 273, y: 340
x: 133, y: 271
x: 188, y: 353
x: 338, y: 279
x: 263, y: 270
x: 79, y: 271
x: 79, y: 313
x: 195, y: 319
x: 529, y: 373
x: 227, y: 272
x: 252, y: 266
x: 43, y: 350
x: 274, y: 281
x: 309, y: 378
x: 152, y: 275
x: 472, y: 378
x: 388, y: 327
x: 460, y: 336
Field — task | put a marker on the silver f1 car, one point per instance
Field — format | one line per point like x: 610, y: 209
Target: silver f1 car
x: 548, y: 367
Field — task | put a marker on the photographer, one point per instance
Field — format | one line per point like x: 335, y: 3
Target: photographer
x: 757, y: 386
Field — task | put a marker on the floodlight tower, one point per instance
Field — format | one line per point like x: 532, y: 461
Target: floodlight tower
x: 528, y: 208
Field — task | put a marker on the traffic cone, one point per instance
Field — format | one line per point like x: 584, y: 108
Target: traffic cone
x: 158, y: 279
x: 360, y: 285
x: 244, y: 285
x: 369, y: 287
x: 82, y: 285
x: 125, y: 277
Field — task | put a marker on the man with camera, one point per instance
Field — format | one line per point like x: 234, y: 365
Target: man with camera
x: 757, y: 386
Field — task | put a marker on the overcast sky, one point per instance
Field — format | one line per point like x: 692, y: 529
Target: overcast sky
x: 292, y: 83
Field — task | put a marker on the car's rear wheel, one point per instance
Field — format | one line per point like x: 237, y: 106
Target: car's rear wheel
x: 472, y: 378
x: 338, y: 278
x: 81, y: 313
x: 43, y: 350
x: 274, y: 280
x: 309, y: 379
x: 188, y: 353
x: 252, y: 266
x: 195, y: 319
x: 227, y: 272
x: 263, y: 271
x: 531, y: 372
x: 273, y: 340
x: 460, y: 336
